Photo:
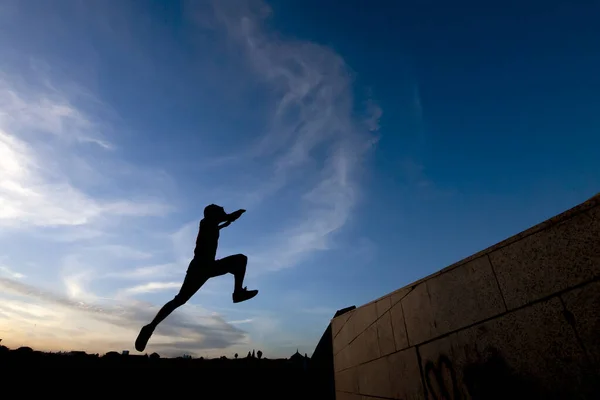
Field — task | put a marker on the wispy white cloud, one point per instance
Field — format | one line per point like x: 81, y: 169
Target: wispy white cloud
x: 38, y: 107
x: 242, y: 321
x: 120, y: 251
x: 34, y: 190
x: 10, y: 273
x: 315, y: 137
x: 45, y: 202
x: 146, y: 273
x: 152, y: 287
x: 45, y: 318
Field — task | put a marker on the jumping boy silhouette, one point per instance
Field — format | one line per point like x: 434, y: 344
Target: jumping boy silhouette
x: 203, y: 267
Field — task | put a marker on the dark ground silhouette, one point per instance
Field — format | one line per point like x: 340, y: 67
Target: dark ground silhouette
x: 218, y: 378
x: 203, y: 267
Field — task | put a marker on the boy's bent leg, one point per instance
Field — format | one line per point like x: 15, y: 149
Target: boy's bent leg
x: 193, y: 281
x: 236, y: 265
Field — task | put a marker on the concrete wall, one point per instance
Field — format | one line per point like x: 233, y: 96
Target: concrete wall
x: 518, y: 320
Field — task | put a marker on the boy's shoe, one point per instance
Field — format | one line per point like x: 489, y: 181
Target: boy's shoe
x: 143, y: 337
x: 243, y: 295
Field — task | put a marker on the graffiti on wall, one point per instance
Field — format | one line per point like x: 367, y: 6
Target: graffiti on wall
x: 440, y: 379
x: 489, y: 378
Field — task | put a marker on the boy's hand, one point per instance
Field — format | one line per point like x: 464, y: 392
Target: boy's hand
x: 236, y: 214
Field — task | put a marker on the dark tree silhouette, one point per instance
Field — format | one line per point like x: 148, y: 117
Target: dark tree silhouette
x: 253, y: 356
x: 259, y: 354
x: 235, y: 356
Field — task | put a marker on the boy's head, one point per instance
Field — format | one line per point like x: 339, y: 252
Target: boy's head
x: 214, y: 212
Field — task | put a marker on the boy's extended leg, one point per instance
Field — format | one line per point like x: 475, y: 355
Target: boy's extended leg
x: 192, y: 282
x: 235, y: 265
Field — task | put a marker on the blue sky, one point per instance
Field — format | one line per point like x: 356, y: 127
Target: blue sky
x: 371, y: 146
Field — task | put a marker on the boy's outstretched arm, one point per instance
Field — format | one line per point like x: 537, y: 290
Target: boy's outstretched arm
x: 232, y: 217
x: 225, y: 225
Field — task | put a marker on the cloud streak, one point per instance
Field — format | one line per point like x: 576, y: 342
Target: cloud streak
x: 193, y: 331
x: 34, y: 189
x: 314, y: 139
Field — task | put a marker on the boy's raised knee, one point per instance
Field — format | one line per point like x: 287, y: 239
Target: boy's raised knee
x: 243, y: 259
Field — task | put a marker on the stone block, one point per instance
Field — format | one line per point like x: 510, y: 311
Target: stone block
x: 529, y: 353
x: 338, y: 322
x: 371, y: 343
x: 365, y: 346
x: 595, y: 213
x: 398, y: 326
x: 399, y: 294
x: 554, y: 259
x: 455, y: 299
x: 361, y: 319
x: 584, y: 307
x: 373, y: 378
x: 344, y: 336
x: 347, y: 396
x: 405, y: 375
x: 342, y: 360
x: 383, y: 305
x: 338, y: 344
x: 385, y: 335
x: 347, y: 380
x: 357, y: 353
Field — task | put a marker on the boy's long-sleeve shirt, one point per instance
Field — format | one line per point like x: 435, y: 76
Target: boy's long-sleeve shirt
x: 207, y: 241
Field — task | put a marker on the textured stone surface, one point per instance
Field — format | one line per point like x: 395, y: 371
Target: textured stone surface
x: 373, y: 378
x: 549, y: 261
x: 342, y: 359
x: 595, y: 213
x: 359, y: 320
x: 455, y: 299
x: 346, y: 333
x: 347, y: 396
x: 347, y: 380
x: 397, y: 316
x: 383, y: 305
x: 385, y: 334
x: 405, y: 375
x: 357, y: 351
x: 342, y: 339
x: 400, y: 294
x: 338, y: 322
x: 584, y: 306
x: 518, y: 320
x: 536, y: 350
x: 366, y: 346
